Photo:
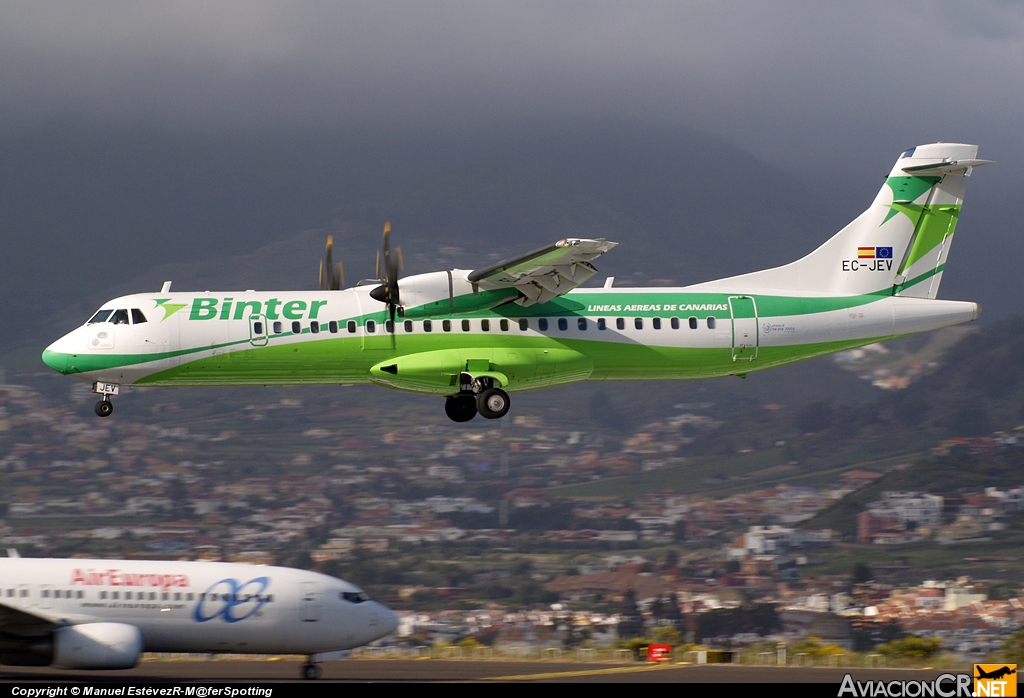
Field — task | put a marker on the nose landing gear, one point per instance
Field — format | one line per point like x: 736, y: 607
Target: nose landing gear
x: 311, y: 671
x: 104, y: 407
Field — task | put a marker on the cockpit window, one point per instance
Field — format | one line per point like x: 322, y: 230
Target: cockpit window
x: 137, y: 317
x: 100, y: 316
x: 354, y: 596
x: 120, y: 317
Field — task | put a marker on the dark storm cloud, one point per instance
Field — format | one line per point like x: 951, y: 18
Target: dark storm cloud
x: 778, y: 80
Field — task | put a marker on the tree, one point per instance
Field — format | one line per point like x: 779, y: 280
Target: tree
x: 1013, y: 648
x: 862, y: 574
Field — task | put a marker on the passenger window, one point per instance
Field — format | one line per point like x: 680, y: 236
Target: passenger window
x: 296, y: 327
x: 120, y: 317
x: 137, y: 317
x: 563, y: 324
x: 278, y: 328
x: 638, y: 323
x: 446, y: 325
x: 656, y: 322
x: 581, y: 323
x: 711, y: 323
x: 601, y: 324
x: 333, y: 326
x: 408, y: 325
x: 128, y: 595
x: 103, y: 595
x: 504, y: 325
x: 152, y: 595
x: 115, y: 594
x: 524, y: 325
x: 693, y: 323
x: 485, y: 325
x: 314, y: 327
x: 675, y: 323
x: 46, y: 593
x: 428, y: 326
x: 101, y: 316
x: 371, y: 326
x: 257, y: 328
x: 188, y: 596
x: 620, y: 323
x: 164, y: 596
x: 79, y: 594
x: 543, y: 324
x: 389, y: 326
x: 465, y: 325
x: 177, y: 596
x: 351, y: 325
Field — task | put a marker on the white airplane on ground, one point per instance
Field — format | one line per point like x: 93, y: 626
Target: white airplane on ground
x: 103, y: 614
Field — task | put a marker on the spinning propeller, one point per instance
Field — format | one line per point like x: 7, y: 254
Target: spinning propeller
x: 387, y: 292
x: 332, y: 277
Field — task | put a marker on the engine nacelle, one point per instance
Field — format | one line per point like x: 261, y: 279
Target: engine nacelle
x: 447, y: 293
x: 97, y: 646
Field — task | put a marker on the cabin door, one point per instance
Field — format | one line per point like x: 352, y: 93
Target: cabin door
x: 744, y: 328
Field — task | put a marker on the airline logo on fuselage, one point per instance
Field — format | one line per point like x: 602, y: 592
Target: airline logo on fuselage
x: 231, y: 601
x: 120, y: 578
x: 273, y: 309
x: 641, y: 308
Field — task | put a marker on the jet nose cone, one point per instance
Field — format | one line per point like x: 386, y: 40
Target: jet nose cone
x: 57, y: 360
x: 387, y: 620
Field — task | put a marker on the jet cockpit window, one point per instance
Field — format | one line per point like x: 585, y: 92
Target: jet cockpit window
x: 137, y: 317
x: 120, y: 317
x: 354, y: 596
x: 100, y: 316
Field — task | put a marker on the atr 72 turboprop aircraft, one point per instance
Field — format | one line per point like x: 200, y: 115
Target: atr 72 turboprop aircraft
x: 523, y: 324
x: 102, y: 614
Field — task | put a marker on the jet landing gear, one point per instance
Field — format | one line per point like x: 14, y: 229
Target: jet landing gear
x: 104, y: 407
x: 478, y: 395
x: 311, y: 671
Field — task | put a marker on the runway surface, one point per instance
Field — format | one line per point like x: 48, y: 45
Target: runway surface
x: 429, y: 670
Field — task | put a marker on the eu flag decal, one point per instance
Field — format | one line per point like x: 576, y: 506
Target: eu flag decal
x: 883, y: 253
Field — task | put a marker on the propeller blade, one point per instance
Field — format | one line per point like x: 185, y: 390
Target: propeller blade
x: 340, y: 277
x: 377, y: 267
x: 329, y: 281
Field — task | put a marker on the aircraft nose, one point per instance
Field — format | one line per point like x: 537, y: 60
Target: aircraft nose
x: 387, y: 620
x: 57, y: 360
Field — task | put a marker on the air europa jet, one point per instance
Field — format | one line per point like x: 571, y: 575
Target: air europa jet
x: 102, y: 614
x: 475, y: 336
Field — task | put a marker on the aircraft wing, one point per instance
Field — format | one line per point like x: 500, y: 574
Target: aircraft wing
x: 12, y: 618
x: 546, y: 273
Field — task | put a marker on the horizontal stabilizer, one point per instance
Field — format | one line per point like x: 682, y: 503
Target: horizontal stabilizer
x: 951, y: 167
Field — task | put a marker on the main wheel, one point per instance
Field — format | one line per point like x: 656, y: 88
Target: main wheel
x: 460, y: 408
x: 310, y: 672
x: 104, y: 408
x: 493, y: 403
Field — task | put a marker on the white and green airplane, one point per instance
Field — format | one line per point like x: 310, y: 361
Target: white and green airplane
x: 523, y: 324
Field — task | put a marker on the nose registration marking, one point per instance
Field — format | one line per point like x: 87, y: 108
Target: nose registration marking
x: 104, y: 388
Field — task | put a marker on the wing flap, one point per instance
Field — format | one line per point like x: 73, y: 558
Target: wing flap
x: 546, y: 273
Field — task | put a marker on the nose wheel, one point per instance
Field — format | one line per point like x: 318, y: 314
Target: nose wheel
x: 104, y: 407
x: 311, y: 672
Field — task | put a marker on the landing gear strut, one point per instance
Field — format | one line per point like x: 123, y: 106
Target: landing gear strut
x: 104, y: 407
x: 311, y: 671
x: 477, y: 395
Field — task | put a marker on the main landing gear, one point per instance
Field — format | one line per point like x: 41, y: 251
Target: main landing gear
x: 311, y: 671
x: 478, y: 395
x: 104, y: 407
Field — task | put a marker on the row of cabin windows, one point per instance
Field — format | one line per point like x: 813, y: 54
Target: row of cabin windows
x: 485, y: 325
x: 139, y: 595
x: 118, y: 317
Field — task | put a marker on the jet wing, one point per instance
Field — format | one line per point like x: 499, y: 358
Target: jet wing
x: 546, y: 273
x: 12, y: 618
